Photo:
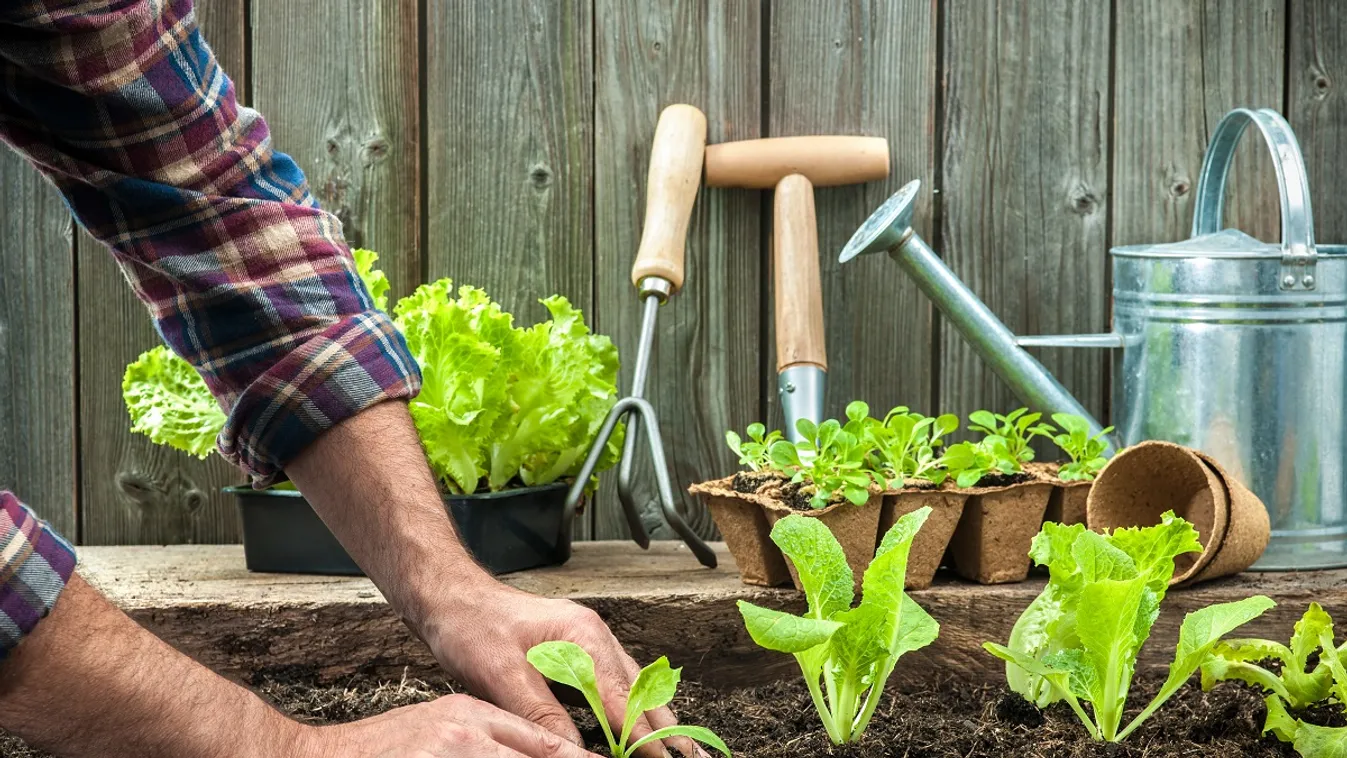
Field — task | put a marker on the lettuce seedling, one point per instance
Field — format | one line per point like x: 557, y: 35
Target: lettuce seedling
x: 1018, y: 428
x: 755, y: 453
x: 1079, y: 640
x: 969, y: 462
x: 567, y: 663
x: 830, y: 459
x: 905, y: 444
x: 846, y: 654
x: 1086, y: 452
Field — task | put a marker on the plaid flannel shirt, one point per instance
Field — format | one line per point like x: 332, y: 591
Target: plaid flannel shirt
x: 123, y: 107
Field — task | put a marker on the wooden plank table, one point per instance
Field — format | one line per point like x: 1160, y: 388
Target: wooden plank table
x: 658, y: 602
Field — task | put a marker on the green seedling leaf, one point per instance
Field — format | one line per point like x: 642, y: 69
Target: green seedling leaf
x: 567, y: 663
x: 828, y: 583
x: 785, y: 632
x: 1309, y: 740
x: 699, y: 733
x: 654, y: 688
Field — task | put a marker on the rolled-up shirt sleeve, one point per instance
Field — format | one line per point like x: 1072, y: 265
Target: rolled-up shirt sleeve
x: 36, y: 564
x: 124, y: 108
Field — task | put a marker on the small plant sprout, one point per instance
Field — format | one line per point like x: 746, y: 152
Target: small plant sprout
x: 1018, y: 428
x: 567, y: 663
x: 1086, y: 452
x: 846, y: 654
x: 906, y: 442
x: 755, y: 453
x: 1296, y: 686
x: 830, y: 459
x: 969, y: 462
x: 1079, y: 640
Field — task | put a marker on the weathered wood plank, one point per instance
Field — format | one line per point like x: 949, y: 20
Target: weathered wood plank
x: 1180, y: 66
x: 37, y: 344
x: 704, y: 375
x: 1317, y: 108
x: 866, y: 67
x: 1025, y: 184
x: 657, y: 602
x: 339, y: 84
x: 510, y: 153
x: 131, y: 491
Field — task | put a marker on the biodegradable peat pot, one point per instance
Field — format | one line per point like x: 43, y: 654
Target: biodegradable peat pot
x: 282, y: 534
x: 856, y: 528
x: 1067, y: 504
x: 743, y: 524
x: 514, y: 529
x: 1247, y: 531
x: 928, y: 547
x: 991, y: 543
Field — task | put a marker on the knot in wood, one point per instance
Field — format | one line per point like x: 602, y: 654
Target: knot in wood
x: 376, y: 150
x: 1322, y: 84
x: 333, y: 147
x: 1083, y: 201
x: 540, y: 176
x: 1179, y: 187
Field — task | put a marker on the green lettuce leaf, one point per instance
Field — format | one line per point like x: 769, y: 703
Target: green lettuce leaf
x: 374, y: 280
x: 169, y: 403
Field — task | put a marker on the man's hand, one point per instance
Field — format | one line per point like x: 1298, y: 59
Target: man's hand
x: 367, y: 478
x: 482, y: 640
x: 456, y: 726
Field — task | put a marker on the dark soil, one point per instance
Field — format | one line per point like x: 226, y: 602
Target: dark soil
x: 1004, y: 480
x: 798, y: 495
x: 754, y: 482
x: 950, y: 721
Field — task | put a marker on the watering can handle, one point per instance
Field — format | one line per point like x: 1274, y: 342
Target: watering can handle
x: 1298, y: 254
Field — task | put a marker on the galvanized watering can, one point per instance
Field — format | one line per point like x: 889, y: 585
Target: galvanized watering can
x: 1222, y: 343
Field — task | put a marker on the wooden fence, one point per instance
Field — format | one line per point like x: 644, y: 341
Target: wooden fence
x: 504, y: 143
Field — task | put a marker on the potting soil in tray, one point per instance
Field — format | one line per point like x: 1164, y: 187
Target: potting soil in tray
x: 949, y: 721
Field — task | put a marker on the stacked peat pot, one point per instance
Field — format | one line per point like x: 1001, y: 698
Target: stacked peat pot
x: 859, y: 476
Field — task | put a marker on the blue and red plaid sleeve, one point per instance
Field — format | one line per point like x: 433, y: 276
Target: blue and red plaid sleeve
x: 124, y: 108
x: 36, y: 564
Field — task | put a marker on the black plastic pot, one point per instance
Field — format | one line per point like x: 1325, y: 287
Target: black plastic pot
x: 512, y: 530
x: 283, y: 535
x: 505, y: 531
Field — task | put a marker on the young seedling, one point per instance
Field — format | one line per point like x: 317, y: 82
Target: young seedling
x: 969, y: 462
x: 905, y: 444
x: 1296, y: 686
x: 567, y: 663
x: 755, y: 453
x: 1018, y: 428
x: 1086, y: 452
x: 846, y: 654
x: 1079, y: 640
x: 830, y: 459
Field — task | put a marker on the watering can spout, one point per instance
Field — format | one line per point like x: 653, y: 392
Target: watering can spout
x: 889, y: 230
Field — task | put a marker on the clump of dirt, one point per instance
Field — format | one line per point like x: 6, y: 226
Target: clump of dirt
x: 948, y: 719
x: 758, y: 482
x: 1004, y: 480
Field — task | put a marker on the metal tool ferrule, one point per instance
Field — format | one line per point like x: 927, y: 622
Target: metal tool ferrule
x: 658, y: 286
x: 801, y: 389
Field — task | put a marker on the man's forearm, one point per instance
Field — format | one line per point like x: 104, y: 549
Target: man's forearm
x: 90, y: 681
x: 367, y: 478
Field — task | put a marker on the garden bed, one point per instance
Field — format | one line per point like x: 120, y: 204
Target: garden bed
x: 948, y: 721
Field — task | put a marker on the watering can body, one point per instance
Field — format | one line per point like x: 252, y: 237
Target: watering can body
x: 1222, y: 343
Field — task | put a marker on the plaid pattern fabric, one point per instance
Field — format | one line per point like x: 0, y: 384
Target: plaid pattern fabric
x: 123, y: 107
x: 35, y: 566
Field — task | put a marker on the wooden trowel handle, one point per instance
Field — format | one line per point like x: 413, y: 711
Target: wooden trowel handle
x: 671, y: 186
x: 797, y: 290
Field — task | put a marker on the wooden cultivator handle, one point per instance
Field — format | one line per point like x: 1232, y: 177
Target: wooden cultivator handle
x: 825, y: 160
x: 671, y: 187
x: 796, y: 288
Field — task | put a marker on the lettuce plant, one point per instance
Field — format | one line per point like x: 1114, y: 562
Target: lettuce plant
x: 1086, y: 452
x: 1018, y: 428
x: 500, y: 404
x: 755, y: 453
x: 567, y: 663
x: 830, y: 459
x: 1296, y: 686
x: 846, y: 654
x: 969, y: 462
x: 169, y: 402
x: 906, y: 443
x: 1078, y: 641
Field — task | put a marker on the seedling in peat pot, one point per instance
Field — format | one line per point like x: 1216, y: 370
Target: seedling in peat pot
x: 1296, y: 686
x: 969, y: 462
x: 1018, y: 428
x: 755, y: 453
x: 905, y: 444
x: 830, y: 459
x: 1079, y: 640
x: 1086, y: 452
x: 845, y: 653
x: 567, y: 663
